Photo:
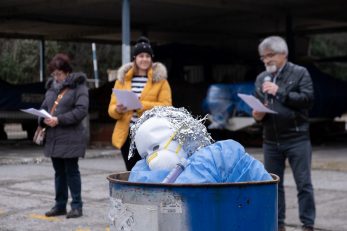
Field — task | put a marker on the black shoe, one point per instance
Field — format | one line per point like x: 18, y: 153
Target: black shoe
x: 55, y: 212
x: 74, y: 213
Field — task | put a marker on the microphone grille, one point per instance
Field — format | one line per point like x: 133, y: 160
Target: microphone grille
x: 267, y: 79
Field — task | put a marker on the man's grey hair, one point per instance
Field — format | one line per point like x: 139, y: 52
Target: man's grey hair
x: 274, y: 43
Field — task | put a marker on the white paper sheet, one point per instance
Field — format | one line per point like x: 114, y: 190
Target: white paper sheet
x: 255, y: 104
x: 40, y: 113
x: 128, y: 98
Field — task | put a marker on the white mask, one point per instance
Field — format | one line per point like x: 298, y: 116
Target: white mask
x: 154, y: 142
x: 271, y: 68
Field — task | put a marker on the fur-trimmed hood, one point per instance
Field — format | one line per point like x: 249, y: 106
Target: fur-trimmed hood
x: 159, y: 71
x: 72, y: 80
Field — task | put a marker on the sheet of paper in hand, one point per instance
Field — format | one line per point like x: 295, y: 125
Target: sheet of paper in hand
x: 255, y: 104
x: 128, y: 98
x: 41, y: 113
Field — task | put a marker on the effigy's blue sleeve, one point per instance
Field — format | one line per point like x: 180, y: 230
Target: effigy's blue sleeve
x: 221, y: 162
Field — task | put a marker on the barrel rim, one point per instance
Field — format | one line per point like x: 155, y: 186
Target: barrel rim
x: 111, y: 178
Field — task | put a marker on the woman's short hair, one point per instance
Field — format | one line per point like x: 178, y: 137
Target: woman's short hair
x: 60, y: 62
x: 274, y: 43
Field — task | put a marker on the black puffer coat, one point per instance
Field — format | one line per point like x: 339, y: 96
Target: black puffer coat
x: 292, y: 102
x: 68, y: 138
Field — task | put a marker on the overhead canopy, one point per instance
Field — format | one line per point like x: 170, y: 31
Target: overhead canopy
x: 184, y: 21
x: 234, y: 24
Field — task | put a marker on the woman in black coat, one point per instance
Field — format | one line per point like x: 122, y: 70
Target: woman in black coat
x: 65, y: 138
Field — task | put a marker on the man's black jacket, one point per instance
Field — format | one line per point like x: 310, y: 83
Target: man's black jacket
x: 292, y: 103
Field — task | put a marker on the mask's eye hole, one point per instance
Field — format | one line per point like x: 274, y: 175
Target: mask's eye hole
x: 156, y: 147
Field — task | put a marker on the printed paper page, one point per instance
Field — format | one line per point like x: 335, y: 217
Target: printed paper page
x: 128, y: 98
x: 255, y: 104
x: 40, y: 113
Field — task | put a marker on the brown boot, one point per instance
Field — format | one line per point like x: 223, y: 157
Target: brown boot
x: 281, y: 228
x: 307, y: 228
x: 55, y: 212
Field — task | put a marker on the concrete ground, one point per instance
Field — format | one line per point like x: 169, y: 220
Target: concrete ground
x: 26, y: 188
x: 329, y: 172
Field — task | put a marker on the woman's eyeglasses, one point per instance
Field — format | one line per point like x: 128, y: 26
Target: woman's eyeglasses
x: 57, y: 73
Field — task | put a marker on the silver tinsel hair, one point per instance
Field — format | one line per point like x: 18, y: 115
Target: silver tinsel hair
x: 190, y: 133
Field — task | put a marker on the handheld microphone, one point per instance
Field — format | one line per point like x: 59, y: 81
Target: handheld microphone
x: 266, y: 95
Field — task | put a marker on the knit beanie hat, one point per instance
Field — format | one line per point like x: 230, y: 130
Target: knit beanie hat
x: 142, y: 45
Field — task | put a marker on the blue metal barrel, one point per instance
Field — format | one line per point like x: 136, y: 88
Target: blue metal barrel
x: 244, y: 206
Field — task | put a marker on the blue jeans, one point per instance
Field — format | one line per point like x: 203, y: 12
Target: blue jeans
x: 299, y: 154
x: 67, y: 176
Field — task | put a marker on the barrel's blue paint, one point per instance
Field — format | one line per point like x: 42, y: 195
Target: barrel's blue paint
x: 171, y: 207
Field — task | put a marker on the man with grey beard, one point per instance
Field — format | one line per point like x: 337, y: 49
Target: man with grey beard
x: 287, y: 89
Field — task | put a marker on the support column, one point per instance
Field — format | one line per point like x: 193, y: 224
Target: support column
x: 290, y: 38
x: 126, y: 31
x: 95, y: 66
x: 42, y: 60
